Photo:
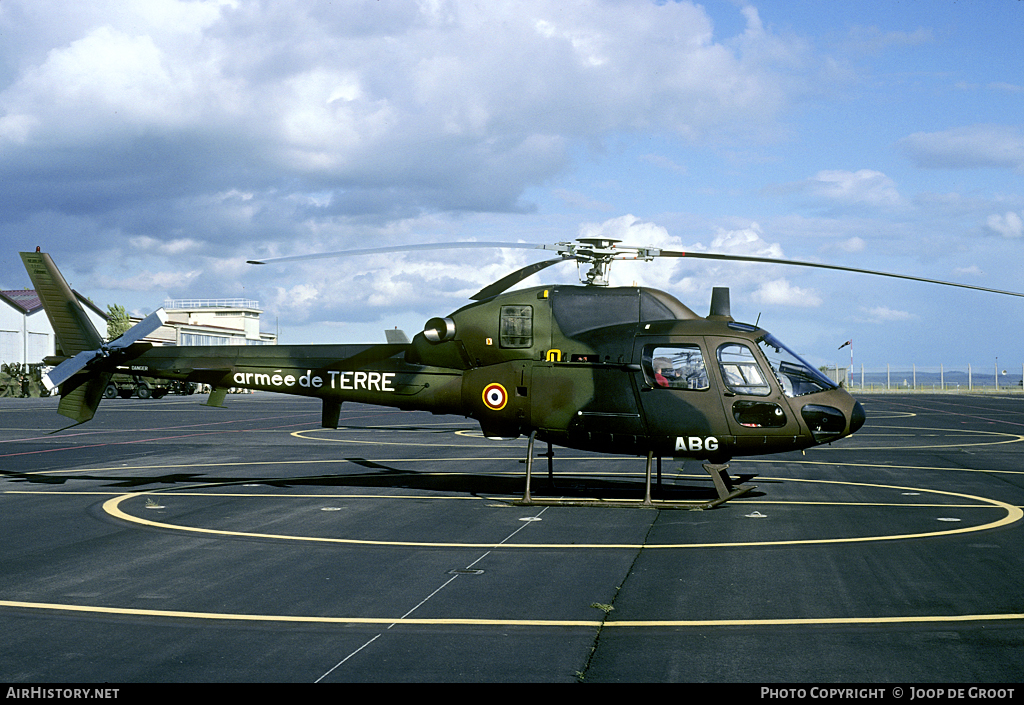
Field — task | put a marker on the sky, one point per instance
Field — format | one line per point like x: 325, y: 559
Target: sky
x: 153, y: 146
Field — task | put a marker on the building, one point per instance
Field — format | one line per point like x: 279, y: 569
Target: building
x: 26, y: 336
x: 25, y: 333
x: 212, y: 322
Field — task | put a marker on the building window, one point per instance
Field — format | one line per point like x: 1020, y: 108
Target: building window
x: 200, y: 339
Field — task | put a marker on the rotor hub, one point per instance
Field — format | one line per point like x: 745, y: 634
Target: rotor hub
x: 599, y: 253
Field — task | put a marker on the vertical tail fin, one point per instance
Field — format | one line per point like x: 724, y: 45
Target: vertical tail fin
x: 74, y: 331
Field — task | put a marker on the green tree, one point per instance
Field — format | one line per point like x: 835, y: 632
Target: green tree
x: 117, y: 321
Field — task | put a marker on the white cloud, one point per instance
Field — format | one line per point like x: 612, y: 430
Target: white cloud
x: 873, y: 40
x: 580, y: 200
x: 866, y: 186
x: 150, y: 281
x: 108, y: 81
x: 631, y: 231
x: 881, y: 314
x: 425, y: 283
x: 663, y: 162
x: 295, y: 302
x: 780, y: 292
x: 852, y: 245
x: 1009, y: 224
x: 746, y: 241
x: 425, y: 105
x: 970, y: 271
x: 182, y: 138
x: 150, y: 245
x: 995, y: 146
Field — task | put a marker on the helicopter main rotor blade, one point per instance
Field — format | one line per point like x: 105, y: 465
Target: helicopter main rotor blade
x: 403, y: 248
x: 835, y: 267
x: 512, y: 279
x: 602, y: 253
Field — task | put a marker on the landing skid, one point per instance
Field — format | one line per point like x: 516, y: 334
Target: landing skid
x: 725, y: 487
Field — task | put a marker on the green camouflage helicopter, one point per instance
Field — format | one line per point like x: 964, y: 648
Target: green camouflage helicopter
x: 620, y: 370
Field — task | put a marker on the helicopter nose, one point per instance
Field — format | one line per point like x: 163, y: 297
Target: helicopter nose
x: 857, y: 417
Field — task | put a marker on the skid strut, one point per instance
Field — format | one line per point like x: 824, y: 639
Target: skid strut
x: 723, y: 483
x: 724, y: 486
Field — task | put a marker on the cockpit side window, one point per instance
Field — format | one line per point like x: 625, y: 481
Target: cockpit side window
x: 515, y: 327
x: 795, y: 375
x: 740, y: 370
x: 675, y: 367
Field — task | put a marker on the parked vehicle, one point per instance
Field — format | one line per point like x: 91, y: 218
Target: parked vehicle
x: 127, y: 386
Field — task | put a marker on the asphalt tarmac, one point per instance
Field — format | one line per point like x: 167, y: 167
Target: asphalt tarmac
x: 169, y: 542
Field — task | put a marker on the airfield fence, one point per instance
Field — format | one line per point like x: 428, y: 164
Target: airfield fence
x: 968, y: 378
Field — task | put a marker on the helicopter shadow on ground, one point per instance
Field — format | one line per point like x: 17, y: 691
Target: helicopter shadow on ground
x: 385, y: 477
x: 563, y: 486
x: 56, y: 478
x: 475, y: 484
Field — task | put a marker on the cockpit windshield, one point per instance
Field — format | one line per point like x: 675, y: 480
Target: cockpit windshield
x: 796, y: 376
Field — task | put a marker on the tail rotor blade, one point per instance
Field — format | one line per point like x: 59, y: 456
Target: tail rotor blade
x: 65, y: 370
x: 140, y: 330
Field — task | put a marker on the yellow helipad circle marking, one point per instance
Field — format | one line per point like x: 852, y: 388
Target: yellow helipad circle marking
x: 886, y: 467
x: 463, y: 432
x: 588, y: 623
x: 850, y: 442
x: 470, y: 433
x: 889, y: 414
x: 1013, y: 514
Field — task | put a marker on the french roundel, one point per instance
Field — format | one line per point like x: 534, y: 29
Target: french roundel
x: 495, y: 396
